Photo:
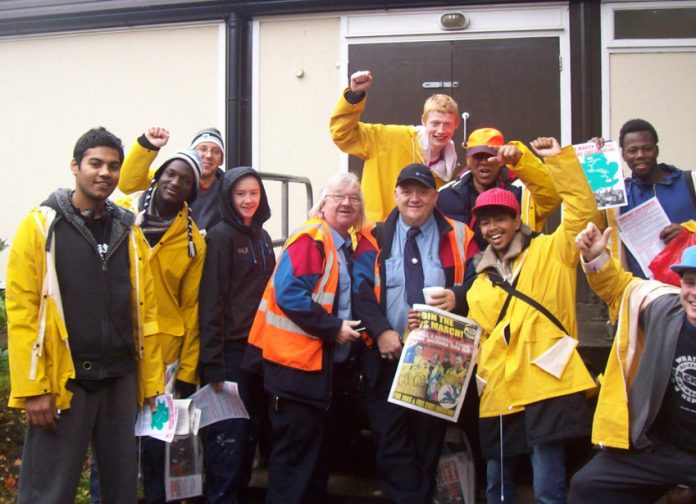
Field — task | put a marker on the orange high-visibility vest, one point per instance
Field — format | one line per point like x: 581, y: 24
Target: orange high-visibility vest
x: 280, y: 339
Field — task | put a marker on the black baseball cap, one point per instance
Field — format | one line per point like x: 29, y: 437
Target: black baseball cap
x: 416, y: 172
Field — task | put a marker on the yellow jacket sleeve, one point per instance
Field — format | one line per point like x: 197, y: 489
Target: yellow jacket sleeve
x: 609, y: 283
x: 362, y: 139
x: 25, y: 274
x: 579, y: 205
x: 540, y: 197
x: 190, y: 348
x: 135, y: 173
x: 150, y: 364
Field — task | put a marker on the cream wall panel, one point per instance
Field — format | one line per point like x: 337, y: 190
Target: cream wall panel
x: 53, y: 89
x: 298, y: 79
x: 660, y: 88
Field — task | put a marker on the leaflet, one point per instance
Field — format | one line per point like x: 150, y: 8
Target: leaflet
x: 602, y: 168
x: 640, y: 228
x: 216, y: 406
x: 183, y: 468
x: 159, y: 424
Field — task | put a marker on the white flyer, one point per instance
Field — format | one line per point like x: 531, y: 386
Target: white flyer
x: 216, y: 406
x: 159, y: 424
x: 640, y: 232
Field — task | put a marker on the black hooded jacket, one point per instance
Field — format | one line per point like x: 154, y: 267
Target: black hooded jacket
x: 238, y: 263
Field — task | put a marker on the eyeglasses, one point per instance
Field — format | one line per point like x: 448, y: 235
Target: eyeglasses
x: 340, y: 198
x: 204, y: 151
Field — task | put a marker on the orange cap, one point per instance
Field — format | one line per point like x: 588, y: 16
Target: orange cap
x: 484, y: 140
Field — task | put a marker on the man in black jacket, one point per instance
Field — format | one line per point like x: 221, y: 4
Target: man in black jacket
x: 408, y: 442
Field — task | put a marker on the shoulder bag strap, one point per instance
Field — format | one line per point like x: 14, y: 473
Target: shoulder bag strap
x: 512, y: 291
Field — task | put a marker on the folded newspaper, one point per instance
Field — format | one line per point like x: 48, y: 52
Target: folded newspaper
x: 436, y: 363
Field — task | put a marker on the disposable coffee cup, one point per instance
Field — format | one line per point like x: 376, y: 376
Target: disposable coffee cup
x: 429, y: 291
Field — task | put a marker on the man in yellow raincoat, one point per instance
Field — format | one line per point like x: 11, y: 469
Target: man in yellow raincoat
x: 645, y: 420
x: 82, y: 332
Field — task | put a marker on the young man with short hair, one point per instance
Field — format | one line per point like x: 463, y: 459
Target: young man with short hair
x: 531, y: 379
x: 82, y: 332
x: 386, y: 149
x: 674, y: 189
x: 176, y: 255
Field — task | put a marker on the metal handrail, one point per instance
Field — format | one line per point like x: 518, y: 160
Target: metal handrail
x: 285, y: 181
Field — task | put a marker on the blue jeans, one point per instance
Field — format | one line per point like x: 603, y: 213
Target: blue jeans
x: 548, y: 467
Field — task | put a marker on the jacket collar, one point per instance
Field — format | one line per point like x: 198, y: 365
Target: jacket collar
x: 121, y: 220
x: 488, y: 259
x: 672, y: 173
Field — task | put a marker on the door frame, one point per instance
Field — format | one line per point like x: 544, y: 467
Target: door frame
x: 485, y: 22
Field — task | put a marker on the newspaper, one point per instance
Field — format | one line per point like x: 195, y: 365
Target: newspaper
x: 640, y: 228
x: 602, y: 169
x: 188, y: 417
x: 216, y: 406
x: 170, y: 376
x: 436, y: 364
x: 183, y: 470
x: 455, y: 482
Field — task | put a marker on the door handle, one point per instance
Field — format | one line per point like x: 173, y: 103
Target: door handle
x: 440, y: 84
x: 465, y: 116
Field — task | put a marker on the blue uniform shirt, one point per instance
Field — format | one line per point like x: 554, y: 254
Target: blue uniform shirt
x: 344, y: 311
x: 428, y: 242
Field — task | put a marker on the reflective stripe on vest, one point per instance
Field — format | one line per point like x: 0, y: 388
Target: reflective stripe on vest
x: 462, y: 237
x: 280, y: 339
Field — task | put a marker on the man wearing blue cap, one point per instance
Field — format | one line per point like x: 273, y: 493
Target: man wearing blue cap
x: 415, y: 247
x: 645, y: 420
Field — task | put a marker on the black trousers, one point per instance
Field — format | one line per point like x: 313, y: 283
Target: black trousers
x: 616, y: 476
x: 408, y: 443
x: 298, y: 467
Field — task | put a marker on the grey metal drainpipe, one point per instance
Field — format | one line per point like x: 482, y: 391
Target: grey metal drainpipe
x: 233, y: 95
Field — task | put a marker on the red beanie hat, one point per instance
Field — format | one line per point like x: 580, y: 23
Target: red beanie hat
x: 497, y: 197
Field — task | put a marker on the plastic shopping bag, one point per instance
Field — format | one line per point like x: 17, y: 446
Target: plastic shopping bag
x: 671, y: 254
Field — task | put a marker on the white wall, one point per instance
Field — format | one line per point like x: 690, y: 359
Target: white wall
x: 298, y: 83
x: 659, y: 87
x: 55, y: 88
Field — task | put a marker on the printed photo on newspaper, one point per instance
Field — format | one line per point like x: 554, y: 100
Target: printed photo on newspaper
x: 436, y: 363
x: 602, y: 167
x: 183, y: 468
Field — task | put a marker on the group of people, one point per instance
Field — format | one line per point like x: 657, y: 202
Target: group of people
x: 102, y: 296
